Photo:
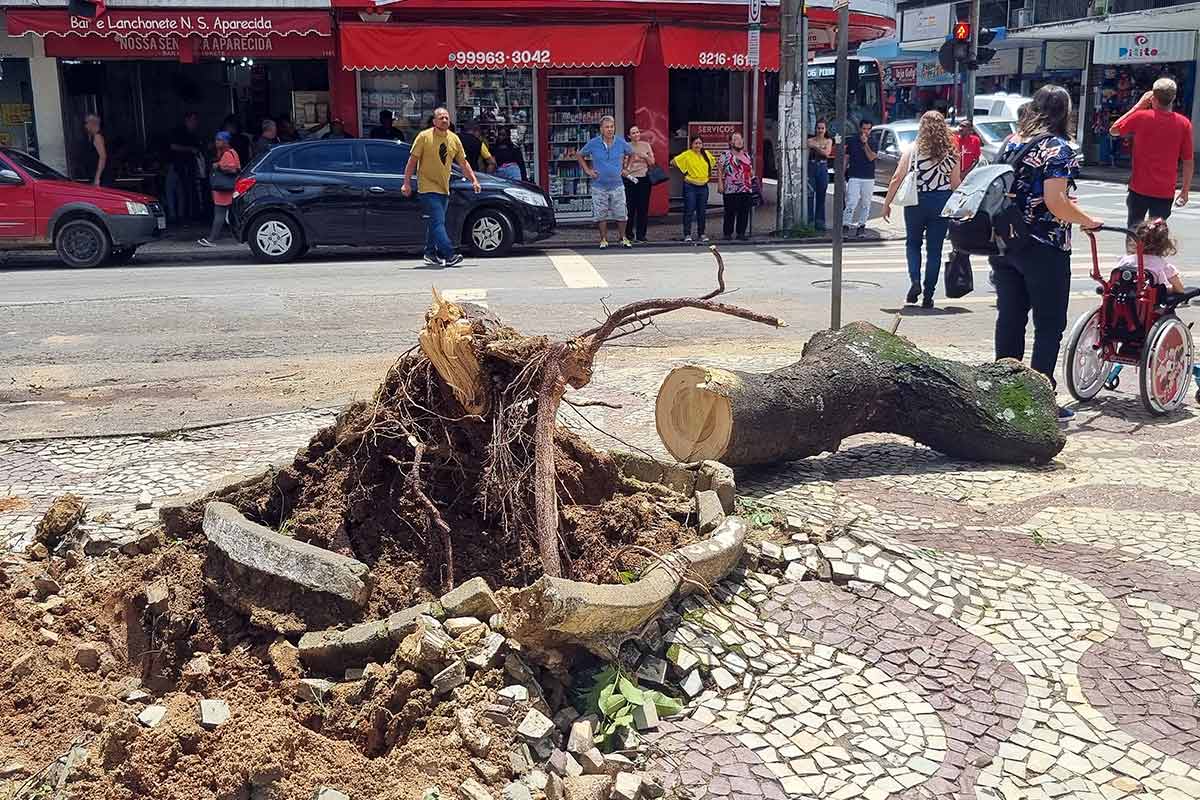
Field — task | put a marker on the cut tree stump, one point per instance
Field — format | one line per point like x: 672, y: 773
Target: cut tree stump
x: 859, y: 379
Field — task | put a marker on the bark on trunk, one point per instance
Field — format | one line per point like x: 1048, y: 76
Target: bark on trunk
x: 856, y: 380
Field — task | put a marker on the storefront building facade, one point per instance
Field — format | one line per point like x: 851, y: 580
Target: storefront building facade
x: 544, y: 72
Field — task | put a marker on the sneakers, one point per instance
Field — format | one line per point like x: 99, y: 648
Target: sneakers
x: 927, y: 301
x: 626, y: 243
x: 643, y: 241
x: 454, y: 260
x: 861, y: 232
x: 1065, y: 414
x: 914, y: 291
x: 204, y: 242
x: 845, y: 231
x: 688, y: 239
x: 603, y: 243
x: 704, y: 239
x: 433, y: 261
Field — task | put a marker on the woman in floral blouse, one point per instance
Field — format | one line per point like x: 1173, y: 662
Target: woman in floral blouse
x: 1036, y: 277
x: 735, y: 180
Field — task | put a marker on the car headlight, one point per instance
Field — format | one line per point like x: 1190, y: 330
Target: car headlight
x: 137, y: 209
x: 526, y: 196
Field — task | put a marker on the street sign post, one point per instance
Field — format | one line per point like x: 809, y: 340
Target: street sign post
x: 753, y: 52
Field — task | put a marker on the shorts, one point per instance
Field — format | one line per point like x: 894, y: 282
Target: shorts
x: 608, y: 205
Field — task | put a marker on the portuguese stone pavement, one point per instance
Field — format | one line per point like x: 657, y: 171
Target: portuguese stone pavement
x: 981, y: 630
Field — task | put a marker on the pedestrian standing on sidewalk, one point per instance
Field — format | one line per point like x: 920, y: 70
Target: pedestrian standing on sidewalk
x: 820, y: 147
x: 269, y: 138
x: 637, y: 185
x: 610, y: 156
x: 510, y: 161
x: 1037, y: 276
x: 433, y: 152
x: 860, y: 180
x: 934, y: 159
x: 1161, y: 140
x: 697, y: 165
x: 96, y: 160
x: 735, y: 182
x: 224, y: 172
x: 969, y: 146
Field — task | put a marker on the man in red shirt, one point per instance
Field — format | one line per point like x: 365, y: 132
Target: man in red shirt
x: 1161, y: 139
x: 969, y: 146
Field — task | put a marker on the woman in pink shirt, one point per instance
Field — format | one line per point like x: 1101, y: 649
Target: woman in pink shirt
x: 224, y: 172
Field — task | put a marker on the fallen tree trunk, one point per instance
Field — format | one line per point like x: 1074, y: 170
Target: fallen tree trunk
x: 856, y: 380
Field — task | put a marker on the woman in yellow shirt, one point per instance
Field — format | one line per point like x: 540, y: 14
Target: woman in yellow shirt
x: 697, y: 166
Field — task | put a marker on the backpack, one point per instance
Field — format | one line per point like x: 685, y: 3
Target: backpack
x: 985, y: 219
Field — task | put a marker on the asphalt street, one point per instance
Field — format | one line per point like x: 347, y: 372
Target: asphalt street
x: 173, y: 341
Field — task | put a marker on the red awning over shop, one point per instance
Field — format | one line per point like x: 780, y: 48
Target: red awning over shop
x: 170, y: 23
x: 699, y: 47
x: 386, y: 46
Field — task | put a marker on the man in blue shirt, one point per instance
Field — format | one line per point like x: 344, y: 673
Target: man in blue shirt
x: 610, y: 160
x: 860, y: 180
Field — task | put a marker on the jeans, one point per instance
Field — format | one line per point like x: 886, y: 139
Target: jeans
x: 637, y: 207
x: 737, y: 213
x: 218, y: 223
x: 437, y: 241
x: 1140, y: 205
x: 695, y: 205
x: 1108, y: 152
x: 176, y: 196
x: 924, y: 222
x: 858, y: 201
x: 818, y: 186
x: 1037, y: 278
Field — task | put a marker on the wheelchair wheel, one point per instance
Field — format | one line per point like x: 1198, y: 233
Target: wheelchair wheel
x: 1166, y: 365
x: 1083, y: 367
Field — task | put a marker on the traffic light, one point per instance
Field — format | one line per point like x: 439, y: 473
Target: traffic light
x: 962, y: 32
x: 946, y: 56
x: 985, y: 54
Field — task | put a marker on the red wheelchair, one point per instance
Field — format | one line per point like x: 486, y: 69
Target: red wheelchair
x: 1135, y: 325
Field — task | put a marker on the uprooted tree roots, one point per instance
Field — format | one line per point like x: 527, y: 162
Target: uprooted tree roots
x: 460, y: 446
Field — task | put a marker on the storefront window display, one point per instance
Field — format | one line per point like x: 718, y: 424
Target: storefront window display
x: 410, y: 95
x: 16, y: 105
x: 1120, y: 87
x: 575, y: 106
x: 498, y: 100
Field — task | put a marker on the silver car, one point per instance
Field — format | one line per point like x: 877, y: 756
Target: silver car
x: 893, y: 139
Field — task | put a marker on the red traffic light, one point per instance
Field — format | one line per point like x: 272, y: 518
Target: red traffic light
x: 962, y: 31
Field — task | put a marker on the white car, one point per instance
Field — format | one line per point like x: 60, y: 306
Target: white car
x: 1001, y: 105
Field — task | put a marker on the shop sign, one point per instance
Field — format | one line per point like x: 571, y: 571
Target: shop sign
x: 1145, y: 48
x: 716, y: 137
x: 918, y: 24
x: 1065, y: 55
x: 930, y: 73
x: 171, y: 23
x: 900, y: 73
x: 1031, y: 60
x: 701, y: 47
x: 209, y: 47
x: 1003, y: 63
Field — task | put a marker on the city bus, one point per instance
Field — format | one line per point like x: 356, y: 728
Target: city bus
x: 864, y: 98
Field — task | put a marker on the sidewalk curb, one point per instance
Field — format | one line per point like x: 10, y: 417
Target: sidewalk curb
x: 163, y: 434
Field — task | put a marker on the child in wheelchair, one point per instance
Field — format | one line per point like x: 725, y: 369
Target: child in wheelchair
x: 1157, y: 246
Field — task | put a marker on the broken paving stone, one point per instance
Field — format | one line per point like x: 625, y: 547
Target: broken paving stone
x: 592, y: 761
x: 536, y: 780
x: 151, y: 716
x: 48, y: 637
x: 615, y: 763
x: 795, y: 572
x: 535, y: 726
x: 326, y: 793
x: 583, y: 733
x: 470, y: 599
x: 487, y: 653
x: 709, y: 511
x: 692, y: 685
x: 682, y: 659
x: 486, y: 770
x: 627, y: 786
x: 514, y: 694
x: 719, y: 478
x: 653, y: 670
x: 564, y: 764
x: 472, y: 789
x: 213, y: 713
x: 723, y: 679
x: 516, y: 791
x: 158, y: 597
x: 645, y: 716
x: 456, y: 626
x: 198, y: 667
x: 44, y: 586
x: 587, y: 787
x: 565, y: 717
x: 144, y: 502
x: 88, y: 656
x: 313, y: 690
x: 770, y: 551
x: 427, y: 650
x: 520, y: 760
x: 137, y: 696
x: 497, y: 713
x: 450, y: 678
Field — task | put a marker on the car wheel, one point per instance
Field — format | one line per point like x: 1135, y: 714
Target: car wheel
x: 490, y: 232
x: 122, y: 255
x: 275, y: 239
x: 82, y: 243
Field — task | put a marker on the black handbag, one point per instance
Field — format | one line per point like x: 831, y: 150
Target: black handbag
x: 222, y: 181
x: 656, y: 175
x: 959, y: 280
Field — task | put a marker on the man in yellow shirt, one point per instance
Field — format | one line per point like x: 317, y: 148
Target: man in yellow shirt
x: 433, y: 152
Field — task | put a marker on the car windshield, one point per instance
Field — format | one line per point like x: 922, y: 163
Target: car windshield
x: 35, y: 168
x: 906, y: 137
x: 994, y: 131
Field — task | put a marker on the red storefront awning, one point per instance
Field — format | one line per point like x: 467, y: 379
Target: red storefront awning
x: 171, y: 23
x: 369, y: 46
x: 700, y: 47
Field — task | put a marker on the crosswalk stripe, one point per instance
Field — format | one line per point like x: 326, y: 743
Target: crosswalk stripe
x: 476, y: 296
x: 575, y: 270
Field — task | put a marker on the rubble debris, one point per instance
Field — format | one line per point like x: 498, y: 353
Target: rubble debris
x: 473, y: 737
x: 715, y: 476
x: 627, y: 786
x: 486, y: 654
x: 313, y: 689
x: 326, y: 793
x: 645, y: 716
x: 583, y: 731
x: 516, y: 693
x: 652, y: 670
x: 213, y: 713
x: 472, y: 789
x: 44, y: 586
x: 151, y: 716
x: 520, y: 760
x: 144, y: 502
x: 428, y: 650
x: 197, y: 667
x: 65, y: 512
x: 450, y: 678
x: 471, y: 598
x: 564, y: 764
x: 535, y: 726
x: 709, y: 511
x: 486, y: 770
x: 587, y: 787
x: 87, y: 655
x: 592, y: 761
x: 516, y: 791
x: 285, y: 658
x: 158, y: 597
x: 456, y: 626
x: 22, y: 665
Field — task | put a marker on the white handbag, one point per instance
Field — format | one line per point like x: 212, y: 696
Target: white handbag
x: 906, y: 195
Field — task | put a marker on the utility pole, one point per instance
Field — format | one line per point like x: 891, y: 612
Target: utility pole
x: 969, y: 94
x: 839, y: 169
x: 791, y: 136
x: 753, y: 47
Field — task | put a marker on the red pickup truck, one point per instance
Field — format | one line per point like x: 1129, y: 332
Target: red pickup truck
x: 88, y: 225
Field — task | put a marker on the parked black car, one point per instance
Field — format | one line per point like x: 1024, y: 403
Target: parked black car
x: 348, y: 192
